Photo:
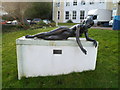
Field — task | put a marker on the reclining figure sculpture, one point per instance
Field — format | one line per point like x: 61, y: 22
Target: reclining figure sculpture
x: 63, y: 33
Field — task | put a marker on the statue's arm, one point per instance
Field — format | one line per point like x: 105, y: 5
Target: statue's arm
x: 89, y: 39
x: 79, y: 42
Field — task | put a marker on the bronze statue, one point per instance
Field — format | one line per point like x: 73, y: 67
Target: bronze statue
x: 63, y: 33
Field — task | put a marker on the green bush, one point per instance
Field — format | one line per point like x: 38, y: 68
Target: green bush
x: 36, y: 26
x: 7, y: 17
x: 52, y: 24
x: 41, y: 23
x: 19, y: 26
x: 69, y: 21
x: 52, y: 21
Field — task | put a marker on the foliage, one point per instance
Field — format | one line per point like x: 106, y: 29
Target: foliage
x: 104, y: 76
x: 20, y: 11
x: 11, y: 28
x: 41, y: 23
x: 69, y: 21
x: 17, y: 10
x: 52, y: 24
x: 35, y: 26
x: 7, y: 17
x: 52, y: 21
x: 41, y: 10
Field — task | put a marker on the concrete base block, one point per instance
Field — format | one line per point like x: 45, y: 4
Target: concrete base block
x: 37, y: 57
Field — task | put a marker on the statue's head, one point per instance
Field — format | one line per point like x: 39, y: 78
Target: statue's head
x: 89, y: 21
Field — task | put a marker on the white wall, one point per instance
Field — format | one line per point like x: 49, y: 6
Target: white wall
x: 71, y: 8
x: 79, y: 7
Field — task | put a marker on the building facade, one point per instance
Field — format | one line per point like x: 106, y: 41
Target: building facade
x: 116, y: 7
x: 77, y: 10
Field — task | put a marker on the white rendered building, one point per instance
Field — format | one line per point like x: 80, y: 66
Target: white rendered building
x: 76, y: 10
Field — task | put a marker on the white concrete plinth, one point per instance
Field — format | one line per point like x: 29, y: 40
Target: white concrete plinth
x: 37, y: 57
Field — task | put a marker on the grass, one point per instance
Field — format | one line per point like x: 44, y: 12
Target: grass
x: 66, y: 24
x: 105, y: 75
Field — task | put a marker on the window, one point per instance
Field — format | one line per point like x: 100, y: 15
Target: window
x: 58, y: 15
x: 58, y: 4
x: 74, y: 2
x: 67, y: 3
x: 83, y: 2
x: 74, y: 14
x: 101, y: 1
x: 67, y: 15
x: 115, y: 1
x: 92, y: 2
x: 94, y: 17
x: 82, y: 14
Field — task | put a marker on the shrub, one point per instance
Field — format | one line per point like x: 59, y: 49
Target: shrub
x: 52, y: 24
x: 36, y: 26
x: 52, y: 21
x: 7, y: 17
x: 41, y: 23
x: 69, y: 21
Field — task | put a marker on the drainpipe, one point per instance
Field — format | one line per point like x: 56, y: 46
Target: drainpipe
x: 57, y: 17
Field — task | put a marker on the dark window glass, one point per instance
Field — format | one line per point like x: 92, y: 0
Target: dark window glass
x: 67, y: 3
x: 74, y: 2
x: 82, y: 14
x: 82, y: 2
x: 94, y: 17
x: 58, y: 14
x: 67, y: 15
x: 74, y: 14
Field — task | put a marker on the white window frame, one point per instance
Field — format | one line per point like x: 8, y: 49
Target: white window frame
x: 102, y: 1
x: 74, y: 15
x: 83, y: 2
x: 67, y: 3
x: 58, y: 4
x: 92, y: 2
x: 74, y: 2
x: 58, y: 15
x: 67, y: 15
x: 82, y: 14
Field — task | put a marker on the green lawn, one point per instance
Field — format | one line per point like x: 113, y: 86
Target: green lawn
x: 105, y: 75
x: 67, y: 24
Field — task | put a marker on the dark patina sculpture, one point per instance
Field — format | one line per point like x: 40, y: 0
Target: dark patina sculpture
x: 63, y: 33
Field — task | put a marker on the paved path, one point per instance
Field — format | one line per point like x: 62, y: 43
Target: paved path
x: 103, y: 28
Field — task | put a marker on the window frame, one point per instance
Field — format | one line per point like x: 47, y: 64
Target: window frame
x: 92, y: 2
x: 74, y: 2
x: 57, y: 4
x: 83, y: 2
x: 74, y: 15
x: 67, y: 15
x: 82, y: 14
x: 58, y: 15
x: 101, y: 1
x: 67, y: 3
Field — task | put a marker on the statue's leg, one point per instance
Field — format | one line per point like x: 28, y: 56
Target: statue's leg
x: 36, y: 35
x: 44, y: 34
x: 89, y: 39
x: 54, y: 37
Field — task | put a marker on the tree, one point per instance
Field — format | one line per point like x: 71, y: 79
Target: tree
x: 22, y: 10
x: 41, y: 10
x: 17, y: 11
